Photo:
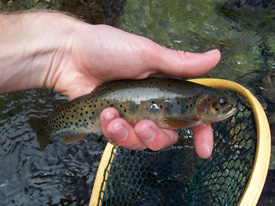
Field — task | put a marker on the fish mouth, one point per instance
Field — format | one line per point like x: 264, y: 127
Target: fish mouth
x: 228, y: 112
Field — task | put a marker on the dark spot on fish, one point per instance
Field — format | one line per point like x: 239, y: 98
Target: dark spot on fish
x: 79, y: 120
x: 187, y: 107
x: 112, y: 105
x: 86, y: 112
x: 217, y: 109
x: 108, y: 102
x: 92, y: 123
x: 178, y: 103
x: 125, y: 110
x: 72, y: 116
x: 160, y: 106
x: 101, y: 104
x: 90, y: 118
x: 90, y: 106
x: 85, y: 120
x: 93, y: 113
x: 81, y: 114
x: 95, y: 106
x: 120, y: 105
x: 190, y: 98
x: 72, y: 123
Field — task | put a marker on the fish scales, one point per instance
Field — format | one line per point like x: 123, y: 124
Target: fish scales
x: 170, y: 103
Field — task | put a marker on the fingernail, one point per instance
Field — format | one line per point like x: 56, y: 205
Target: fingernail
x: 212, y: 51
x: 147, y: 134
x: 108, y: 117
x: 119, y: 132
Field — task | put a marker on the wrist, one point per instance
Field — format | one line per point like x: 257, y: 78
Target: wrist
x: 33, y: 46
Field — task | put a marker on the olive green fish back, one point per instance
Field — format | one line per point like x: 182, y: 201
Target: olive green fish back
x: 176, y: 176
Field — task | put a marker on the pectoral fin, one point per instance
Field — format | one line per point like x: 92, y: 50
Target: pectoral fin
x: 179, y: 122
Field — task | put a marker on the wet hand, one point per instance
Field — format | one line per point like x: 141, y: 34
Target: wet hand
x: 100, y: 53
x: 146, y: 134
x: 109, y: 54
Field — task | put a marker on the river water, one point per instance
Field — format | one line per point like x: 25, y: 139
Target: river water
x: 64, y: 174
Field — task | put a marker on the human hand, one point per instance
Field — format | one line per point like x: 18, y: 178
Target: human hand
x: 103, y: 53
x: 72, y: 57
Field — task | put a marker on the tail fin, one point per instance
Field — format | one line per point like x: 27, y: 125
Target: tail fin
x: 37, y: 125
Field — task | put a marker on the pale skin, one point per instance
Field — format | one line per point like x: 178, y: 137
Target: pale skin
x: 72, y: 57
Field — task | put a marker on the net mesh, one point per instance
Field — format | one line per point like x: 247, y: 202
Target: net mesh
x: 176, y: 176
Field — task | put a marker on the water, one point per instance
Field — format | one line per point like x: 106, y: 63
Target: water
x: 198, y: 26
x: 64, y: 174
x: 58, y: 174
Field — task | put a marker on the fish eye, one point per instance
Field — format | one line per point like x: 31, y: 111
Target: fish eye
x: 223, y: 101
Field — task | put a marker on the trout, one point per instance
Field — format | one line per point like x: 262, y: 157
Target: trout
x: 170, y: 103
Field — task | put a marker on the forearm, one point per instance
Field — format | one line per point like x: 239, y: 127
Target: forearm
x: 32, y: 47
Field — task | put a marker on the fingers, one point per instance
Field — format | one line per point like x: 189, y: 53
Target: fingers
x: 203, y: 140
x: 145, y: 134
x: 154, y: 137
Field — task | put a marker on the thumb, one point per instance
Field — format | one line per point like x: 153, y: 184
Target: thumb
x: 180, y: 63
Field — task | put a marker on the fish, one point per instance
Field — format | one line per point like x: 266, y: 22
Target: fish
x: 170, y: 103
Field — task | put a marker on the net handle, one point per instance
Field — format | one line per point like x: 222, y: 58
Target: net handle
x: 263, y: 150
x: 99, y: 180
x: 259, y: 171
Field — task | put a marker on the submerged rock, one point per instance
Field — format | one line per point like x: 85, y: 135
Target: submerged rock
x: 249, y: 6
x: 94, y: 11
x: 91, y: 11
x: 253, y: 13
x: 268, y: 87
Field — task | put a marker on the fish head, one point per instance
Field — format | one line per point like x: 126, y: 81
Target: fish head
x: 215, y: 107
